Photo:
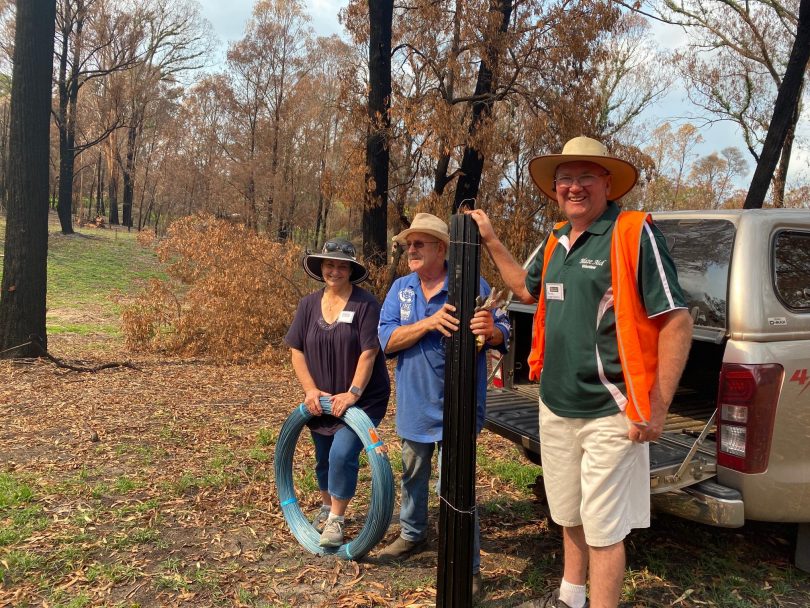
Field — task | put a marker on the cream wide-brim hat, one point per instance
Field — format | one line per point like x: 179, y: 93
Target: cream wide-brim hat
x: 623, y: 174
x: 426, y: 223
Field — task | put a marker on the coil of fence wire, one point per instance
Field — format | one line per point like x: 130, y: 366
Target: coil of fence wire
x: 382, y: 484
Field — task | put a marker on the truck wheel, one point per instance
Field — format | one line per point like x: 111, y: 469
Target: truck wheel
x: 803, y: 547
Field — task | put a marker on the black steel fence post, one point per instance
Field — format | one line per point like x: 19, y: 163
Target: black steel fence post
x: 457, y: 505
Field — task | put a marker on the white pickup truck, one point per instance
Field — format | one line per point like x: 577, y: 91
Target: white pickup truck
x: 736, y: 444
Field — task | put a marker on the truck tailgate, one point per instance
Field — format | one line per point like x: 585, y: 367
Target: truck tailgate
x: 513, y: 414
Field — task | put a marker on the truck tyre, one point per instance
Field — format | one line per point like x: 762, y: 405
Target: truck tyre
x: 803, y: 547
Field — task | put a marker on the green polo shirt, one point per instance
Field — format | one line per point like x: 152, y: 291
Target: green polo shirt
x: 582, y: 375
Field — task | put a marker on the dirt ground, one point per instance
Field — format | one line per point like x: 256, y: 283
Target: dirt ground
x: 154, y: 487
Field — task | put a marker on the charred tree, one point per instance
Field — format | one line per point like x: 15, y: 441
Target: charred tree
x: 68, y: 86
x: 472, y: 163
x: 375, y: 207
x: 128, y: 171
x: 100, y: 187
x: 22, y: 299
x: 785, y: 108
x: 75, y: 48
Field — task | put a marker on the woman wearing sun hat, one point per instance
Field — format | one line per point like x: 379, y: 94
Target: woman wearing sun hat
x: 335, y: 353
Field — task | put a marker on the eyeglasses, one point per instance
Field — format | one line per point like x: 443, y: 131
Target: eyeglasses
x: 585, y: 181
x: 417, y: 244
x: 343, y: 247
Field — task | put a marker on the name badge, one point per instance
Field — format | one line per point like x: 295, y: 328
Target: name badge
x: 347, y: 316
x: 555, y: 291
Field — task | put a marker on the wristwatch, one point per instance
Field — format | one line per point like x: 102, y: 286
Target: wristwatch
x: 355, y: 390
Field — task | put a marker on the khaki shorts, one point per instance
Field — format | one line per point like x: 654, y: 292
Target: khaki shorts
x: 595, y: 476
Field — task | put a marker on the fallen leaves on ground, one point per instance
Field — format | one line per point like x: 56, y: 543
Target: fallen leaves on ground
x: 175, y: 504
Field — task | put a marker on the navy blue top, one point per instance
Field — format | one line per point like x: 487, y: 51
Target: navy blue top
x: 332, y: 351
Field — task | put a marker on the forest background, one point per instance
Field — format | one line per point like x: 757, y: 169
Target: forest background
x: 149, y: 124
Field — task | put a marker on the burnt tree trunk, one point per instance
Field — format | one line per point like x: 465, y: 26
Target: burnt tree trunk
x: 375, y: 208
x: 128, y: 173
x: 472, y: 163
x: 4, y: 125
x: 787, y: 102
x: 780, y: 177
x: 23, y: 291
x: 112, y: 195
x: 440, y: 177
x: 68, y: 86
x: 100, y: 188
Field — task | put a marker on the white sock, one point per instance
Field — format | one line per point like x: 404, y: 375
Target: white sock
x: 573, y: 595
x: 340, y: 518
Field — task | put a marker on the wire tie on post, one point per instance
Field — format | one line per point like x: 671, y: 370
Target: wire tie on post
x: 463, y: 512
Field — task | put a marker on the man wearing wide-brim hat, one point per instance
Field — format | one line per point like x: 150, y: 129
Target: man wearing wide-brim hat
x: 414, y: 320
x: 611, y: 337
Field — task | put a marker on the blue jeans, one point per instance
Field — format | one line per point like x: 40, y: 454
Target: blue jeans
x: 337, y: 461
x: 413, y: 510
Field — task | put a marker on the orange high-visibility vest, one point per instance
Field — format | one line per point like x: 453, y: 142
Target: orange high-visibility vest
x: 636, y: 334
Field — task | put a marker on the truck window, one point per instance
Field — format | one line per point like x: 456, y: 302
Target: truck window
x: 701, y: 250
x: 791, y: 269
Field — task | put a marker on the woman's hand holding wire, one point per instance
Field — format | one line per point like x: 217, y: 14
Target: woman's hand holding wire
x: 312, y: 401
x: 341, y: 402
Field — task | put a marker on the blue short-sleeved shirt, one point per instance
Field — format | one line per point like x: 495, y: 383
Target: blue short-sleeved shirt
x: 420, y: 368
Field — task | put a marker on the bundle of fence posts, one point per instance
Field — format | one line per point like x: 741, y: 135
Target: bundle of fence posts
x: 457, y: 505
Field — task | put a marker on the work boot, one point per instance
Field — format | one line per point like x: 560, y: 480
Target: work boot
x: 320, y: 518
x: 332, y: 535
x: 400, y: 549
x: 549, y: 600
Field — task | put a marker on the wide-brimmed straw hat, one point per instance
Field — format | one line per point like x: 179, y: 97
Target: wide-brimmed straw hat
x: 335, y: 249
x: 426, y: 223
x: 542, y: 168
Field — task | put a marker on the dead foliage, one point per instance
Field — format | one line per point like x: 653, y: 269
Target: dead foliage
x: 230, y: 293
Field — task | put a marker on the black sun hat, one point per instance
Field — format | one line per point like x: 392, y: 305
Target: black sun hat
x: 335, y: 249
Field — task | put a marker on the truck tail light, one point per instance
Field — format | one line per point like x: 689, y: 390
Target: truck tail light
x: 746, y: 401
x: 495, y: 364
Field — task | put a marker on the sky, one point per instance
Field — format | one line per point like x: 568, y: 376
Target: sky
x: 229, y: 17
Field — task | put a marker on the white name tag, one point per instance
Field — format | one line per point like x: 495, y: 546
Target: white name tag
x: 347, y: 316
x: 555, y: 291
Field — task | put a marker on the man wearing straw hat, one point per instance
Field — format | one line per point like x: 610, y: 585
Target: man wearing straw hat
x: 414, y: 320
x: 611, y: 337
